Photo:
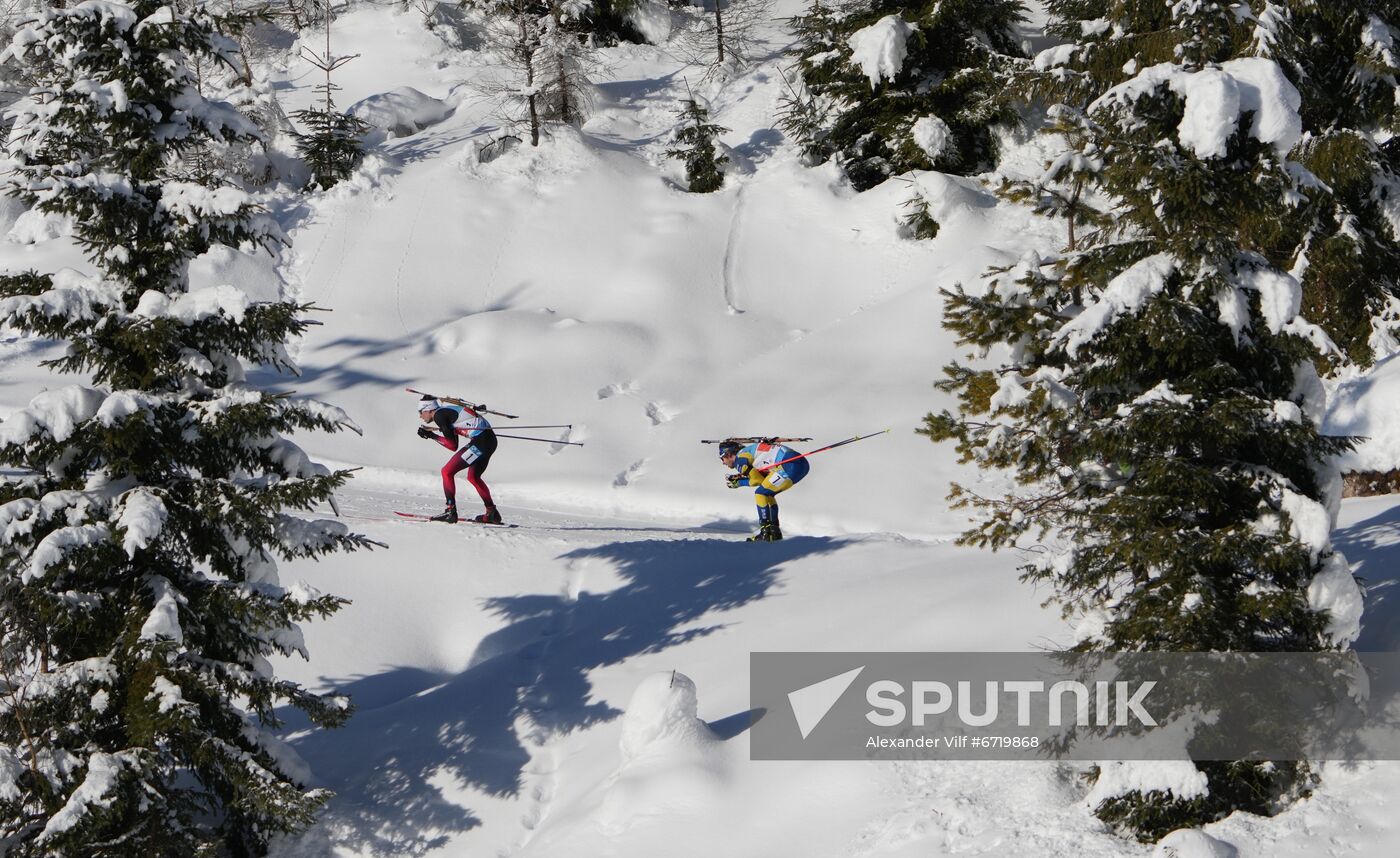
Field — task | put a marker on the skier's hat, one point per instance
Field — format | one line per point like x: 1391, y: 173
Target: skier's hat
x: 728, y: 448
x: 428, y: 403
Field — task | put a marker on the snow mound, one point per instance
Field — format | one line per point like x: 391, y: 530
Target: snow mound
x: 879, y: 50
x: 670, y: 763
x: 253, y: 273
x: 11, y: 210
x: 36, y: 227
x: 400, y: 112
x: 1368, y: 407
x: 562, y: 152
x: 1192, y: 843
x: 949, y: 197
x: 661, y: 718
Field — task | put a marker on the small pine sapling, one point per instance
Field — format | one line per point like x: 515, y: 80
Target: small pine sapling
x: 1063, y: 190
x: 331, y: 144
x: 806, y: 121
x: 695, y: 141
x: 918, y: 221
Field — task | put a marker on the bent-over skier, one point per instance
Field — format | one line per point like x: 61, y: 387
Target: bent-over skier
x: 758, y: 464
x: 456, y: 421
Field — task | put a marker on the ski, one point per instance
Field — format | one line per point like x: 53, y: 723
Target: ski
x: 415, y: 516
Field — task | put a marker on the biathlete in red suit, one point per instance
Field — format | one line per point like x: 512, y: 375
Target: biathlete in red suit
x: 456, y: 422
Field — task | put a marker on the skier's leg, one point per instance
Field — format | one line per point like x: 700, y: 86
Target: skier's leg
x: 764, y: 500
x: 460, y: 460
x: 766, y: 495
x: 474, y: 477
x: 449, y: 488
x: 492, y: 515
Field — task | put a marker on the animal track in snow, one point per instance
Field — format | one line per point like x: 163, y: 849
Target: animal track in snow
x: 636, y: 469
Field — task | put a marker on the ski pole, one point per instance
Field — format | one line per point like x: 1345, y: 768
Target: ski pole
x: 821, y: 450
x: 481, y: 409
x: 541, y: 440
x: 543, y: 426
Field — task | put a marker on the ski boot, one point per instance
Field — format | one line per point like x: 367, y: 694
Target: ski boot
x: 491, y: 516
x: 447, y: 516
x: 766, y: 533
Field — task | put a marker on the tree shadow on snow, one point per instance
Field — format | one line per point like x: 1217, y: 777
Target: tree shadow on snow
x: 762, y: 143
x: 407, y: 765
x: 640, y: 89
x: 428, y: 143
x: 1374, y: 546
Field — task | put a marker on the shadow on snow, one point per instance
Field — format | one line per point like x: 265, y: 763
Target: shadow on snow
x: 418, y: 734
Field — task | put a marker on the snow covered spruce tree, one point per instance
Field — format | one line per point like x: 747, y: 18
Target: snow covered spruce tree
x: 695, y: 145
x: 1158, y: 403
x: 142, y: 507
x: 1342, y: 57
x: 911, y: 86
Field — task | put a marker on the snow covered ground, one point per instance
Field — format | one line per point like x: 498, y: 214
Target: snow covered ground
x: 495, y: 671
x: 576, y: 283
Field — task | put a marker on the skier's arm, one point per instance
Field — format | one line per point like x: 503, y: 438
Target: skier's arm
x: 443, y: 419
x: 743, y: 463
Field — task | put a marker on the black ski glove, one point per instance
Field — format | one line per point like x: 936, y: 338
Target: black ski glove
x: 425, y: 432
x: 734, y: 481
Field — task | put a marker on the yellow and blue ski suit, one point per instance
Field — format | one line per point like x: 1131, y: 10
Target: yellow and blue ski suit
x: 754, y: 462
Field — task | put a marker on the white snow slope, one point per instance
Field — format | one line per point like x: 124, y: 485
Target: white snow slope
x: 577, y: 283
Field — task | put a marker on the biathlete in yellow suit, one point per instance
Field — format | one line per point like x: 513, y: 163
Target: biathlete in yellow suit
x: 758, y: 465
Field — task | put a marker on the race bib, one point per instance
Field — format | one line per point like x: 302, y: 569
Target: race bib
x: 764, y: 459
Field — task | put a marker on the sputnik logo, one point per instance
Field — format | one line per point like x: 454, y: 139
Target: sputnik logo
x: 811, y: 703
